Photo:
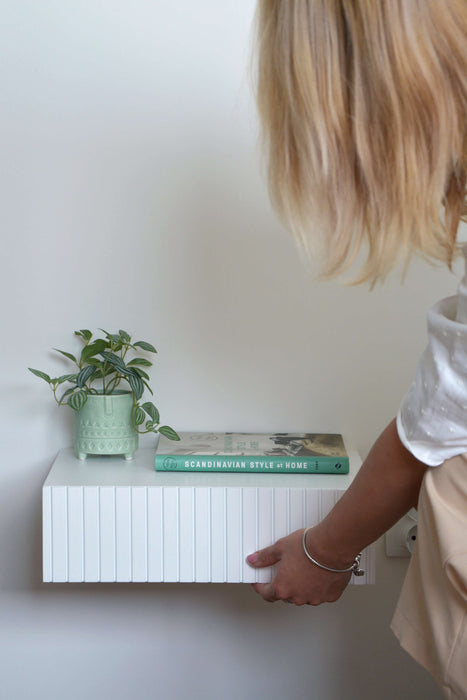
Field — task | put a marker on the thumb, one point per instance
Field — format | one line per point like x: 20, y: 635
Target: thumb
x: 264, y: 557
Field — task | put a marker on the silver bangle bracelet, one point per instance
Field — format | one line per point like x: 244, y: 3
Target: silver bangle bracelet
x: 354, y: 567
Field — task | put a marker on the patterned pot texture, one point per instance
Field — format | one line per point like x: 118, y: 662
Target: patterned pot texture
x: 104, y: 427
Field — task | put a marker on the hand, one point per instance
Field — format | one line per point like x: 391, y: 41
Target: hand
x: 297, y: 580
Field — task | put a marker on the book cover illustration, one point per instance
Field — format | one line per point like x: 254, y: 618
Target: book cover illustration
x: 322, y: 453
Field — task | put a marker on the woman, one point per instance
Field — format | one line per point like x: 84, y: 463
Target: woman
x: 363, y: 105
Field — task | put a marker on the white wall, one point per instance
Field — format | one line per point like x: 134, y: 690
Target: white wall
x: 132, y: 198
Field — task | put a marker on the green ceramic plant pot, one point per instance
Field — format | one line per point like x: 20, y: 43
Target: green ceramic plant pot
x: 104, y: 426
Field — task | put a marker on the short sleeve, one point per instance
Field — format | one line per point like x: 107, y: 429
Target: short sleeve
x: 432, y: 419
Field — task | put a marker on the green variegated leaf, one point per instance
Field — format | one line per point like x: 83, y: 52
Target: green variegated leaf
x: 96, y: 361
x: 136, y: 384
x: 152, y: 411
x: 114, y: 340
x: 85, y: 375
x: 66, y: 393
x: 169, y: 432
x: 93, y: 349
x: 116, y: 362
x: 41, y: 375
x: 84, y: 334
x: 149, y: 425
x: 124, y: 336
x: 67, y: 354
x: 67, y: 378
x: 139, y: 415
x: 141, y: 373
x: 144, y: 346
x: 77, y: 400
x: 140, y: 361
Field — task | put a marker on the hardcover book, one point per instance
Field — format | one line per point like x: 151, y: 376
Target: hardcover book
x: 286, y: 453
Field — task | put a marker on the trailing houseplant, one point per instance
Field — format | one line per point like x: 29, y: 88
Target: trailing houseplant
x: 99, y: 370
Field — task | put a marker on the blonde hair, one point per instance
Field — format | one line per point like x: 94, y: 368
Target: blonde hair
x: 363, y: 108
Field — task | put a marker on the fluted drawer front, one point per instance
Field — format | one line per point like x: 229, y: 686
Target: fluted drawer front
x: 155, y: 533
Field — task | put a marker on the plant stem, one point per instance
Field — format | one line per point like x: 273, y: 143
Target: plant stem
x: 112, y: 385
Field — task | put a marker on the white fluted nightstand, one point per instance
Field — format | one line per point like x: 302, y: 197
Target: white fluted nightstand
x: 108, y: 520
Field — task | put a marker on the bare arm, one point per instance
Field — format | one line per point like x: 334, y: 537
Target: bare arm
x: 385, y: 488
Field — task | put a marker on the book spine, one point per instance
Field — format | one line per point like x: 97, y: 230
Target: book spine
x: 243, y: 464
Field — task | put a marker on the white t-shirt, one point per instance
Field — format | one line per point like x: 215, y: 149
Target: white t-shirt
x: 432, y: 419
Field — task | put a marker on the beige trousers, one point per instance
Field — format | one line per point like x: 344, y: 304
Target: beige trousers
x: 430, y: 620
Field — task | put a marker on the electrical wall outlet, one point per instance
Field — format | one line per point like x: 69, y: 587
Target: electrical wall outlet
x: 400, y: 539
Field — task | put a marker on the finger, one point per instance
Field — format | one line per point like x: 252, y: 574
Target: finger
x: 264, y: 557
x: 266, y: 591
